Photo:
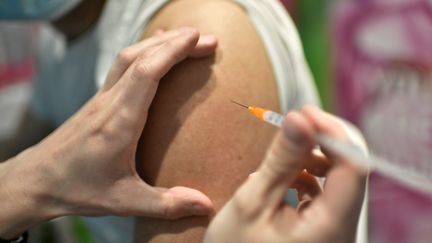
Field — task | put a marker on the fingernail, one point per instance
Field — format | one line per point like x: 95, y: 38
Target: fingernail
x: 252, y: 174
x: 303, y: 205
x: 198, y: 209
x: 208, y: 39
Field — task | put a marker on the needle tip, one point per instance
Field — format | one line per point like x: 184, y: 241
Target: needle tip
x: 237, y: 103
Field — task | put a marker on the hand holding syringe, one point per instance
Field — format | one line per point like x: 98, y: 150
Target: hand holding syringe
x: 364, y: 161
x: 261, y: 201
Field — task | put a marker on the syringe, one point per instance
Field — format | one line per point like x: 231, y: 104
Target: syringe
x: 367, y: 162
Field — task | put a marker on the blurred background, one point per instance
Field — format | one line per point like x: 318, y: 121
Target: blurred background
x: 372, y: 63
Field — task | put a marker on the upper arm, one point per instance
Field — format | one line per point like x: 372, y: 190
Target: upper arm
x: 195, y: 136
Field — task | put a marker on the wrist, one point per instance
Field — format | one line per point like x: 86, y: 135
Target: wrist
x: 25, y: 196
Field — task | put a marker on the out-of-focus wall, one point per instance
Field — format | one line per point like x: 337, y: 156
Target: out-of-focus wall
x: 17, y: 68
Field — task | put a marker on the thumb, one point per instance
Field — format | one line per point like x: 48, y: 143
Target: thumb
x: 178, y: 202
x: 286, y: 157
x: 140, y: 199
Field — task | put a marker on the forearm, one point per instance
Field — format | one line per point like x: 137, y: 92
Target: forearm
x: 24, y: 196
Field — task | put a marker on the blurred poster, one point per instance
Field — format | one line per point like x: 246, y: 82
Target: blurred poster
x: 17, y: 68
x: 384, y: 85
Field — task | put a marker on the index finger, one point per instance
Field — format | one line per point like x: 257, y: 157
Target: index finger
x: 137, y: 87
x: 129, y: 54
x: 205, y: 46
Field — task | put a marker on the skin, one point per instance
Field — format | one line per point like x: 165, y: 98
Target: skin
x: 257, y: 212
x: 195, y: 136
x: 87, y: 166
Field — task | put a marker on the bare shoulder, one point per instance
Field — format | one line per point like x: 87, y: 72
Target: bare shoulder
x: 216, y: 16
x: 195, y: 136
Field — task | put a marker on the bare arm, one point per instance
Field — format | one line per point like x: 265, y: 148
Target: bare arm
x: 194, y: 136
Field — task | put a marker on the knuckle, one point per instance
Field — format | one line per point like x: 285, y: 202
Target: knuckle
x: 191, y: 37
x: 176, y: 49
x: 142, y: 70
x: 125, y: 56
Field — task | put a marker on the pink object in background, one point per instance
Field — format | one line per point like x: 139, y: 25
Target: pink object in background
x: 17, y: 69
x: 290, y: 5
x: 16, y: 72
x: 372, y: 37
x: 17, y: 50
x: 384, y: 85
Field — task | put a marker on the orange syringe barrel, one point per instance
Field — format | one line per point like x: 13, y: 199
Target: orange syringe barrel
x: 268, y: 116
x: 257, y: 111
